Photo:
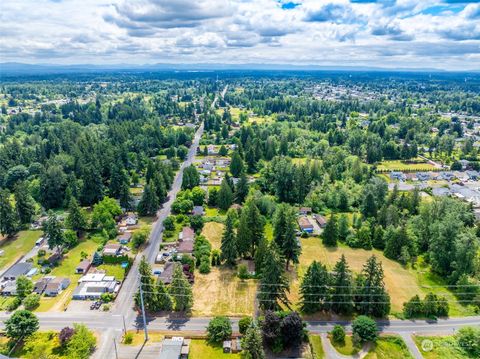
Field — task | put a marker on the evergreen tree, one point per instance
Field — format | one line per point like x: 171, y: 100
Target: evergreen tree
x: 250, y: 229
x: 372, y: 297
x: 53, y: 231
x: 8, y: 218
x: 369, y: 206
x: 212, y: 197
x: 225, y: 196
x: 124, y: 196
x: 343, y: 228
x: 24, y: 203
x: 330, y: 234
x: 229, y: 240
x: 273, y: 282
x: 97, y: 259
x: 155, y: 295
x: 180, y: 290
x: 161, y: 189
x: 148, y: 205
x: 241, y: 190
x: 284, y: 225
x: 314, y: 288
x: 342, y: 288
x: 260, y: 254
x: 92, y: 190
x: 236, y: 165
x: 76, y: 218
x: 191, y: 177
x: 252, y: 343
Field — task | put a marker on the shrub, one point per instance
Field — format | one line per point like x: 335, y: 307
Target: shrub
x: 128, y: 338
x: 106, y: 297
x: 65, y: 335
x: 219, y: 329
x: 204, y: 267
x: 468, y: 338
x: 168, y: 223
x: 243, y: 272
x: 365, y: 328
x: 14, y: 304
x: 31, y: 301
x: 338, y: 334
x: 41, y: 253
x: 243, y: 324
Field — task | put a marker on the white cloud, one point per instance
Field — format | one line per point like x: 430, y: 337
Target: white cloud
x: 401, y: 33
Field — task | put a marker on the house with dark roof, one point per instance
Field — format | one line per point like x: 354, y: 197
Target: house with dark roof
x: 187, y: 234
x: 17, y: 270
x: 125, y: 237
x: 83, y: 266
x: 112, y: 249
x: 321, y: 220
x: 40, y: 285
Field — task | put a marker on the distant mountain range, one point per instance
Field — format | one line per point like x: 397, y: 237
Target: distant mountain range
x: 15, y: 68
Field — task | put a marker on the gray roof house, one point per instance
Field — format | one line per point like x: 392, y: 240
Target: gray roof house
x: 17, y: 270
x: 55, y: 286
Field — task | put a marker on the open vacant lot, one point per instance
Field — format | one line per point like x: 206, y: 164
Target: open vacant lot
x: 402, y: 283
x: 200, y: 349
x: 443, y: 348
x: 14, y: 248
x: 221, y: 293
x: 213, y: 232
x: 402, y: 165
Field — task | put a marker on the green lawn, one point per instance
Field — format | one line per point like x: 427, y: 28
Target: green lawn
x: 113, y: 269
x: 5, y: 301
x: 316, y: 345
x: 40, y: 345
x: 401, y: 166
x: 442, y: 348
x: 18, y: 246
x: 389, y: 347
x: 345, y: 348
x: 200, y: 349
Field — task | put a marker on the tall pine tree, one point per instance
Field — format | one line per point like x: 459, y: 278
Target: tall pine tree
x: 314, y: 288
x: 8, y: 218
x: 284, y: 225
x: 149, y: 204
x: 180, y: 290
x: 24, y: 203
x: 342, y: 288
x: 229, y: 239
x: 330, y: 234
x: 250, y: 229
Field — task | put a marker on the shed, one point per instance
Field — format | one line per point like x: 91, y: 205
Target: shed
x: 227, y: 346
x: 305, y: 210
x: 83, y: 267
x: 321, y: 220
x: 112, y: 249
x: 305, y: 224
x: 125, y: 237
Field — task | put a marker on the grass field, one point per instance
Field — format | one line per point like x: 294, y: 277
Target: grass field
x: 221, y: 292
x: 401, y: 166
x: 139, y: 337
x: 443, y: 348
x: 41, y: 345
x: 213, y: 232
x: 16, y: 247
x: 113, y: 269
x: 316, y: 345
x: 67, y: 269
x: 200, y: 349
x: 389, y: 347
x: 402, y: 283
x: 345, y: 348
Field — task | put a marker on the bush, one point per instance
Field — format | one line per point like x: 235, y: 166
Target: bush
x: 219, y: 329
x: 106, y: 297
x: 468, y: 338
x: 243, y: 272
x: 65, y: 335
x: 31, y: 301
x: 204, y: 267
x: 139, y: 237
x: 14, y: 304
x: 365, y: 328
x: 128, y: 338
x: 168, y: 223
x: 338, y: 334
x: 243, y: 324
x: 196, y: 222
x: 41, y: 253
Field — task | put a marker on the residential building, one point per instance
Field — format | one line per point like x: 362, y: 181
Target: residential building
x: 175, y: 348
x: 40, y: 285
x: 321, y: 220
x: 305, y: 224
x: 83, y: 267
x: 17, y: 270
x: 56, y: 286
x: 125, y: 237
x: 187, y: 234
x: 93, y: 285
x: 112, y: 249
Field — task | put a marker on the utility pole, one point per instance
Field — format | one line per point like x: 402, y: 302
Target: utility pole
x: 115, y: 345
x: 124, y: 326
x: 143, y: 313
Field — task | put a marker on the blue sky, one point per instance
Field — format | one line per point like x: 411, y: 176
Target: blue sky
x: 381, y: 33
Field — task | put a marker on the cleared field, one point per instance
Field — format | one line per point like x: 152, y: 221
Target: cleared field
x: 213, y: 232
x: 442, y: 348
x: 389, y: 347
x: 345, y: 348
x: 221, y: 292
x: 138, y: 338
x: 200, y: 349
x: 401, y: 165
x: 402, y: 283
x: 16, y: 247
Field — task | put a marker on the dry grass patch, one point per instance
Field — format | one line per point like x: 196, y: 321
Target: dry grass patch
x: 221, y: 292
x: 213, y: 232
x: 400, y: 282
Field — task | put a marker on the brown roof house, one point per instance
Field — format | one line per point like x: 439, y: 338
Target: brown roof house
x: 321, y: 220
x: 83, y: 266
x: 55, y: 286
x: 305, y: 224
x: 187, y: 234
x: 125, y: 237
x: 112, y: 249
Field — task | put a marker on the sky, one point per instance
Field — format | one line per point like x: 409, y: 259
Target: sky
x: 382, y: 33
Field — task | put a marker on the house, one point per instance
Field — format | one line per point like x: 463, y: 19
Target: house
x: 112, y: 249
x: 172, y: 348
x: 166, y: 275
x: 185, y: 247
x: 305, y: 210
x: 472, y: 175
x: 423, y: 176
x: 305, y: 224
x: 83, y: 267
x: 441, y: 191
x: 17, y: 270
x: 447, y: 176
x: 321, y: 220
x: 125, y: 237
x: 227, y: 346
x: 399, y: 176
x: 198, y: 211
x: 187, y: 234
x: 93, y: 285
x: 9, y: 288
x: 56, y: 285
x: 40, y: 285
x: 131, y: 220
